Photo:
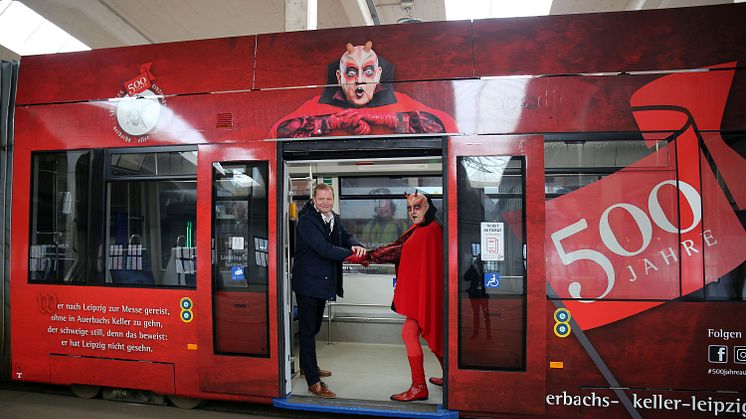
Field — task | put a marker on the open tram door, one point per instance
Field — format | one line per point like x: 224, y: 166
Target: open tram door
x: 496, y: 288
x: 360, y: 340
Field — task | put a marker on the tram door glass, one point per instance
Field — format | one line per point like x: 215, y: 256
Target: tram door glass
x: 240, y: 267
x: 492, y: 271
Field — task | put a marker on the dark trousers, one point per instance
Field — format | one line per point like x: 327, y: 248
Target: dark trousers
x: 310, y: 317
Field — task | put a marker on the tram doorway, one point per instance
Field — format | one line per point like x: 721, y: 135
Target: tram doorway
x: 360, y: 340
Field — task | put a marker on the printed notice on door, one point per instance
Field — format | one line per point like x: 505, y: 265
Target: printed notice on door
x: 493, y: 241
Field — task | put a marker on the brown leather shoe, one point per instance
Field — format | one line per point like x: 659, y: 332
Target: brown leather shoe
x: 416, y: 392
x: 320, y: 389
x: 438, y: 381
x: 322, y: 373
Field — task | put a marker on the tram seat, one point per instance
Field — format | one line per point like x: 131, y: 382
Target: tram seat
x: 130, y: 264
x: 169, y: 276
x: 180, y: 269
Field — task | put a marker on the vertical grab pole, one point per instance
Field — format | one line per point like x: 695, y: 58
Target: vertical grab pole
x: 329, y: 324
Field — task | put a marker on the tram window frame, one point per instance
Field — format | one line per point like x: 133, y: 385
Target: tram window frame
x: 513, y: 298
x: 93, y: 269
x: 132, y: 257
x: 725, y: 288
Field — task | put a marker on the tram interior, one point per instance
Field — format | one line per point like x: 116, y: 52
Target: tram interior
x: 361, y: 338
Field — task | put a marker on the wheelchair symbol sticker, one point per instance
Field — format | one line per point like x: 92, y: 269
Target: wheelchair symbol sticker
x: 492, y: 279
x: 237, y: 273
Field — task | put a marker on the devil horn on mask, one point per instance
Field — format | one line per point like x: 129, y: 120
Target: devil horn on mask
x: 350, y: 48
x: 368, y: 46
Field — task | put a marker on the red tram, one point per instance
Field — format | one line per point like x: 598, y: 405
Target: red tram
x: 586, y: 169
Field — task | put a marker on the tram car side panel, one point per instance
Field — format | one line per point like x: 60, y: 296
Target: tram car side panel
x: 608, y: 42
x: 432, y: 52
x: 204, y: 66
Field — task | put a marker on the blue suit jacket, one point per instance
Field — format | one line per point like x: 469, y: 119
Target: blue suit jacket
x: 317, y: 268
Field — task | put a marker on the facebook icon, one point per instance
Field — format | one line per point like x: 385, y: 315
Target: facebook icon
x: 718, y: 354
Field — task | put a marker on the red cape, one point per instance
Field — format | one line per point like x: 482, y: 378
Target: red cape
x: 419, y: 283
x: 404, y: 103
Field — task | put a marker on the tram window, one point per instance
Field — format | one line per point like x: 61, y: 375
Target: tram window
x: 150, y: 164
x: 151, y: 233
x: 241, y: 265
x: 389, y: 185
x: 667, y: 259
x: 492, y: 289
x: 730, y: 286
x: 374, y: 207
x: 151, y: 220
x: 573, y: 163
x: 59, y: 203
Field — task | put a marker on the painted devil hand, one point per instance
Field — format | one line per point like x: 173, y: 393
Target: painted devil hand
x: 364, y: 260
x: 349, y: 120
x: 359, y: 121
x: 384, y: 119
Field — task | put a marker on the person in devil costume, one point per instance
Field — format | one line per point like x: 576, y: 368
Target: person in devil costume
x: 359, y: 100
x: 418, y: 255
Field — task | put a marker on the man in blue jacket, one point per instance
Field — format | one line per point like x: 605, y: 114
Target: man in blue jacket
x: 321, y: 244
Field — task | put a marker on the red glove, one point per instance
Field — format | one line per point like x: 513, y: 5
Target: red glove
x: 360, y: 260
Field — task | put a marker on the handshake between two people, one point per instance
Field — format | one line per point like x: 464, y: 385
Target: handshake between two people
x: 388, y: 253
x: 360, y: 259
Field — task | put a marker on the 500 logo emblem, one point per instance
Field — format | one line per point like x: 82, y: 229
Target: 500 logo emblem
x: 46, y: 304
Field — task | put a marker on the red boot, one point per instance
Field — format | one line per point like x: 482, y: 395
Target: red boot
x: 416, y: 392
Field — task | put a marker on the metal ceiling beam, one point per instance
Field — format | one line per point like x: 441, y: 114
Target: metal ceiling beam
x: 373, y: 12
x: 93, y: 22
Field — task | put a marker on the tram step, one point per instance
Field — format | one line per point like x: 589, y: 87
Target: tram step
x: 365, y: 407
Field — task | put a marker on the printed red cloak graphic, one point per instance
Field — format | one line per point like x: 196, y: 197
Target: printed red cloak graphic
x: 662, y: 227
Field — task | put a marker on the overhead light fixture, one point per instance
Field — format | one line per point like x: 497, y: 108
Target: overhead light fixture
x: 409, y: 20
x: 408, y: 7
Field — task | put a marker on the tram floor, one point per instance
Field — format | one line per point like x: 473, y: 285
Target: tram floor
x: 367, y: 371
